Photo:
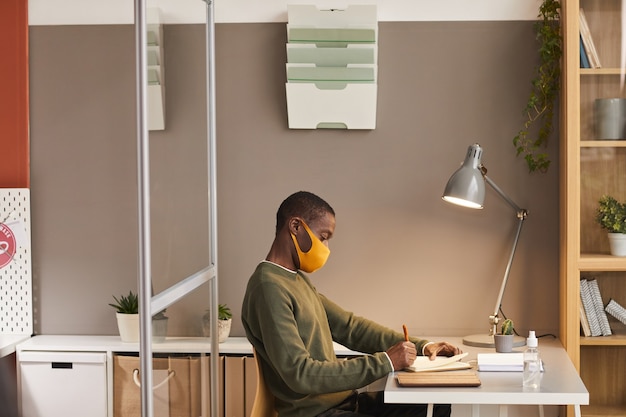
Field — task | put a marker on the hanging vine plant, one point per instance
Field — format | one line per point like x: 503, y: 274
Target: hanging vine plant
x: 532, y: 140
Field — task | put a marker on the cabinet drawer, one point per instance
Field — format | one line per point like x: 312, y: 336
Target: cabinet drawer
x: 63, y: 384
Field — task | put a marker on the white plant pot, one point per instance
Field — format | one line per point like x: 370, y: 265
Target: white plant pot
x: 617, y: 243
x: 223, y: 329
x: 128, y: 326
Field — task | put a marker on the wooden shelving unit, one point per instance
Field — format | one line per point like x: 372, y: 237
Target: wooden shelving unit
x: 591, y: 168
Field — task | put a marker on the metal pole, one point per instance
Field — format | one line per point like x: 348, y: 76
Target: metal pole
x: 212, y: 174
x: 143, y: 192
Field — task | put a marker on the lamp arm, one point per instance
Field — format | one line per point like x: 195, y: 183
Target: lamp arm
x: 521, y: 216
x: 500, y: 192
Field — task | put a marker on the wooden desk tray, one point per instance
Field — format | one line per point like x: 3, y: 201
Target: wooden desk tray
x: 439, y: 379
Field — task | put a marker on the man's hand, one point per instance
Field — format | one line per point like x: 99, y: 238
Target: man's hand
x: 433, y: 350
x: 402, y: 355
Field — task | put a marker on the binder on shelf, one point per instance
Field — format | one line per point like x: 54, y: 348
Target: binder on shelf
x: 332, y: 67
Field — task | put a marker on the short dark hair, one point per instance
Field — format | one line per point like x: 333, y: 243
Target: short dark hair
x: 302, y: 204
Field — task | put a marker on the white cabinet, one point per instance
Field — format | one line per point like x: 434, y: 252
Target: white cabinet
x: 63, y: 384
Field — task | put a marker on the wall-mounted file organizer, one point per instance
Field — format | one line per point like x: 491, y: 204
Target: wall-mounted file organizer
x: 156, y: 74
x: 332, y: 67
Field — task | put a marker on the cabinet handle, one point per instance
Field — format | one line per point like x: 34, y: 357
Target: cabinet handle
x: 170, y: 375
x: 62, y: 365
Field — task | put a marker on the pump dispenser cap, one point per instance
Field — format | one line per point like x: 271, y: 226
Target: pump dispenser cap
x: 531, y: 341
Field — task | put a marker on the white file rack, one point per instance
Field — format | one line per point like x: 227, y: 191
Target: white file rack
x: 332, y: 67
x: 156, y: 71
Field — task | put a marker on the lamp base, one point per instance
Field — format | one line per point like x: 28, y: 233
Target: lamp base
x: 485, y: 340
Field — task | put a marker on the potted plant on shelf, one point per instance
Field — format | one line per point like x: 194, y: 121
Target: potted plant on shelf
x: 127, y: 314
x: 224, y: 322
x: 611, y: 215
x: 504, y: 340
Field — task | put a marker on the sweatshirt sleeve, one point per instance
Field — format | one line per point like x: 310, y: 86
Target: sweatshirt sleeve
x: 363, y: 335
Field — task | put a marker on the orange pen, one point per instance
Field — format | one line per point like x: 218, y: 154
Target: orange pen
x: 406, y: 332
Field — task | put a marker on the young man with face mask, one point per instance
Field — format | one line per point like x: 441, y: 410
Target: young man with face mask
x: 292, y: 327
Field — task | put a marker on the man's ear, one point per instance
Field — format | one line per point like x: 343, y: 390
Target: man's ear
x: 294, y: 225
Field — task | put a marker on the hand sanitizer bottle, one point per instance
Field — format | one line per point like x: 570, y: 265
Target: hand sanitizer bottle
x: 532, y: 363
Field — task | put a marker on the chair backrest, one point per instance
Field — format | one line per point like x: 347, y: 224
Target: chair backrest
x: 264, y: 400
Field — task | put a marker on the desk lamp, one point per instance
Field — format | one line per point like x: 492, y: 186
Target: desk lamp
x: 466, y: 187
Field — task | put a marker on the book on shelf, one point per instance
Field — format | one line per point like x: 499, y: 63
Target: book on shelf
x: 588, y: 44
x: 599, y: 306
x: 616, y: 310
x: 593, y: 309
x: 584, y: 60
x: 584, y: 321
x: 590, y: 311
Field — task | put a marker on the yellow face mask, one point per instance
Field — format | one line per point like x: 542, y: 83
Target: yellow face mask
x: 314, y: 258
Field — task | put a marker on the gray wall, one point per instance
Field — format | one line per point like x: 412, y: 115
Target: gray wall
x: 399, y: 255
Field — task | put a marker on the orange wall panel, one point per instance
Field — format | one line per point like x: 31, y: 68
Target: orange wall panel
x: 14, y: 142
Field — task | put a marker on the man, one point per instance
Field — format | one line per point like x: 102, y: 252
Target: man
x: 292, y: 327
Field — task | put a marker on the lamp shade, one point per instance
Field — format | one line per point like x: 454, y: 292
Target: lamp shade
x: 466, y: 187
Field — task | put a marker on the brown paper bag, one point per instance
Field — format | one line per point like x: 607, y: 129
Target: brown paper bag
x: 182, y: 381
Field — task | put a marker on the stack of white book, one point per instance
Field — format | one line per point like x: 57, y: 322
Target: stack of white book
x: 500, y: 362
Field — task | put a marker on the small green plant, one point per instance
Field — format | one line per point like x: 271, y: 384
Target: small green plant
x: 507, y: 327
x: 611, y: 215
x: 223, y: 312
x: 126, y: 304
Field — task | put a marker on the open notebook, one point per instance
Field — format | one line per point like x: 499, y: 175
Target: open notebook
x: 440, y: 363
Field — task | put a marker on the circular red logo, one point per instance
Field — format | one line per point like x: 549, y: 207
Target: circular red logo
x: 7, y: 245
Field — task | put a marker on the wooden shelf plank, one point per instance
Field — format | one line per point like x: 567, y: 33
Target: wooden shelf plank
x: 601, y: 262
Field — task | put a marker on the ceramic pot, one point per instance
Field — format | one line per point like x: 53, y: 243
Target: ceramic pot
x: 610, y: 118
x: 617, y: 243
x: 223, y: 328
x: 504, y: 343
x: 128, y: 326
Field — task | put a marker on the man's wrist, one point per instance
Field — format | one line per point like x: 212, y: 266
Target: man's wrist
x: 424, y: 348
x: 389, y: 359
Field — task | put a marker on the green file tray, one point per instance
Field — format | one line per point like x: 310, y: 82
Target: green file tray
x: 312, y: 73
x: 331, y: 57
x: 331, y: 36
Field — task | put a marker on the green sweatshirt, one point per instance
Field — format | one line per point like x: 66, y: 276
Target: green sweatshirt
x: 292, y: 328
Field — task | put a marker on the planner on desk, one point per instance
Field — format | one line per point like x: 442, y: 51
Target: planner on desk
x: 464, y: 378
x: 440, y: 363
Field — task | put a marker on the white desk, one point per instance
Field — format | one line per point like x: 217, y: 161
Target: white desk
x: 560, y: 384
